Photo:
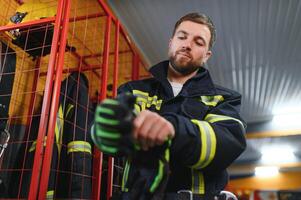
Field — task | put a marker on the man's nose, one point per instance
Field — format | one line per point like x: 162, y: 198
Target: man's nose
x: 186, y: 45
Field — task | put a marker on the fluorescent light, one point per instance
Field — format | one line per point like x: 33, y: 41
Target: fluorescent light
x: 287, y: 120
x: 266, y: 171
x: 278, y: 154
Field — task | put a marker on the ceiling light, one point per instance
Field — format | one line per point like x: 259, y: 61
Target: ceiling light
x: 277, y: 154
x: 268, y: 171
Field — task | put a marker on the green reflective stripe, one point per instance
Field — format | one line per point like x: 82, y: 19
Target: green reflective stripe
x: 106, y: 121
x: 108, y: 149
x: 34, y: 143
x: 110, y: 101
x: 208, y: 144
x: 212, y: 118
x: 158, y: 177
x: 160, y: 174
x: 198, y: 182
x: 105, y: 111
x: 125, y: 176
x: 79, y: 146
x: 106, y: 134
x: 50, y: 194
x: 212, y: 100
x: 146, y: 101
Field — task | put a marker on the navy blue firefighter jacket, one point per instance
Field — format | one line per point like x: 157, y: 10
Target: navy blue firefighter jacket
x: 209, y: 130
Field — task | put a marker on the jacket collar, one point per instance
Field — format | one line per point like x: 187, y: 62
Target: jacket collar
x: 200, y: 84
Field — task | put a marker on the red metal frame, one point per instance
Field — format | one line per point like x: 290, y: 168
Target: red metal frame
x: 33, y: 190
x: 115, y: 83
x: 42, y: 158
x: 97, y: 162
x: 55, y: 102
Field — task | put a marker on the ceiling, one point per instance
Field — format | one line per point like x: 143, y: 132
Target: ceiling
x: 257, y: 53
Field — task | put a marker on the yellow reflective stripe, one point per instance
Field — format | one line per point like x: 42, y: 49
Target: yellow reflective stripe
x: 208, y: 143
x: 34, y: 143
x: 137, y: 108
x: 125, y: 176
x: 59, y: 125
x: 198, y: 182
x: 79, y: 146
x: 146, y: 101
x: 69, y: 108
x: 50, y: 194
x: 216, y: 118
x: 212, y: 100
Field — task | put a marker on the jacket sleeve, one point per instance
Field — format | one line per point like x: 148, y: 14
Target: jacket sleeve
x: 212, y: 143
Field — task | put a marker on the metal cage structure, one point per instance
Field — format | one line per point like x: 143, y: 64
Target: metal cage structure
x: 53, y: 73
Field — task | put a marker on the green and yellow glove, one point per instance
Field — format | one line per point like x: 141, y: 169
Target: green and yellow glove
x: 113, y: 125
x: 147, y: 173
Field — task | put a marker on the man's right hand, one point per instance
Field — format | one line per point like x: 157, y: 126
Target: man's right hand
x: 151, y: 129
x: 112, y: 129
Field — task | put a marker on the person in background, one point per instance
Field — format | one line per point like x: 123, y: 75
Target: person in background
x: 184, y: 131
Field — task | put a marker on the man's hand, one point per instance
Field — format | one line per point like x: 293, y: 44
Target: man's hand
x: 151, y: 129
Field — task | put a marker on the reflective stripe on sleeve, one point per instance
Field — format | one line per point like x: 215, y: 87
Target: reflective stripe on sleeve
x: 212, y: 118
x: 79, y: 146
x: 208, y: 144
x: 198, y: 182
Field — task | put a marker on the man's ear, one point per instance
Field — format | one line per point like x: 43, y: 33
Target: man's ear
x: 169, y: 43
x: 208, y: 55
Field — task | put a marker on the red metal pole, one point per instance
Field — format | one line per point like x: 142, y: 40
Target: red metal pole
x: 97, y: 162
x: 115, y: 83
x: 34, y: 184
x: 28, y: 24
x: 30, y: 112
x: 54, y: 104
x: 135, y: 66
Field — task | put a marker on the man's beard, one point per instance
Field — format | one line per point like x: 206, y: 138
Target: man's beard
x: 184, y: 69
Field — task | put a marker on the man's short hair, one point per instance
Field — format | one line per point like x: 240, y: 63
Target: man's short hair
x: 200, y: 19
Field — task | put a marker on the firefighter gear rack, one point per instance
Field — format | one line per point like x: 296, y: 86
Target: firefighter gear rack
x: 101, y: 58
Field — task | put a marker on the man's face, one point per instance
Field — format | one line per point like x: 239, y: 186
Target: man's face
x: 189, y: 47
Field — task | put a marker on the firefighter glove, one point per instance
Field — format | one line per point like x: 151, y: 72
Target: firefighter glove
x: 149, y: 173
x: 113, y: 125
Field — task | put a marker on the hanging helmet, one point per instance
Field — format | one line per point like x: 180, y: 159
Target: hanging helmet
x: 35, y: 40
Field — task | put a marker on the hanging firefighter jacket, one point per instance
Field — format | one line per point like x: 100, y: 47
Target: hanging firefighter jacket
x: 7, y: 70
x: 71, y: 165
x: 35, y: 40
x: 7, y: 74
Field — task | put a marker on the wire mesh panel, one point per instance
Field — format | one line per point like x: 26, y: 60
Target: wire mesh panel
x: 58, y: 60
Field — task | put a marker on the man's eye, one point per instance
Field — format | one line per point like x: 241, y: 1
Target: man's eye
x: 200, y: 43
x: 181, y: 37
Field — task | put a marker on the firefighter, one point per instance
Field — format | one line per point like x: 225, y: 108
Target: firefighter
x: 185, y: 130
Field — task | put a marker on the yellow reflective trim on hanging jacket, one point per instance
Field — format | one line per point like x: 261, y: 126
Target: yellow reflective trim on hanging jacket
x: 34, y: 143
x: 79, y: 146
x: 208, y: 144
x: 198, y: 182
x: 50, y: 194
x: 212, y: 100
